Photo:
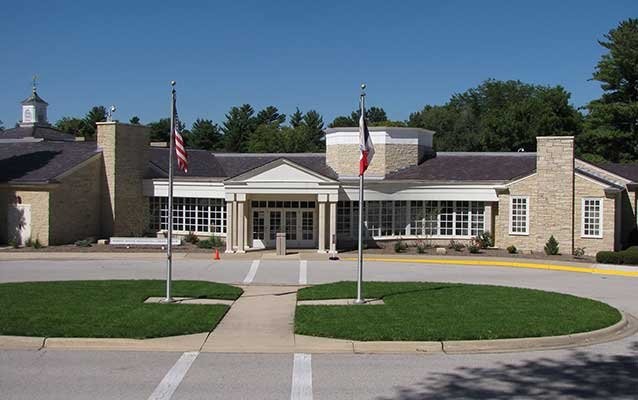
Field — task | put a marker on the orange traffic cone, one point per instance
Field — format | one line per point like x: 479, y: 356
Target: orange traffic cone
x: 217, y: 254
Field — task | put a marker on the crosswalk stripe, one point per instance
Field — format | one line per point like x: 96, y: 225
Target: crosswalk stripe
x: 252, y: 272
x: 303, y: 272
x: 172, y: 379
x: 301, y: 377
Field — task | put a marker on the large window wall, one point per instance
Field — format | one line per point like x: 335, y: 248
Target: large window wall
x: 387, y: 219
x: 198, y: 215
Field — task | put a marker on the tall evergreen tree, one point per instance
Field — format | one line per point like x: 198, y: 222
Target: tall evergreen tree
x: 205, y: 135
x: 374, y: 115
x: 89, y: 127
x: 238, y: 127
x: 135, y: 120
x: 70, y: 125
x: 296, y: 118
x: 612, y: 122
x: 270, y: 116
x: 160, y: 130
x: 314, y: 137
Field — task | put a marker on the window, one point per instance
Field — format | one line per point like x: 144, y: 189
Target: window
x: 446, y: 218
x: 291, y: 225
x: 199, y: 215
x: 431, y: 218
x: 462, y: 224
x: 343, y: 218
x: 519, y: 215
x: 307, y: 227
x: 416, y: 217
x: 258, y: 225
x: 478, y: 218
x: 386, y: 218
x: 592, y: 219
x: 400, y: 218
x: 373, y: 209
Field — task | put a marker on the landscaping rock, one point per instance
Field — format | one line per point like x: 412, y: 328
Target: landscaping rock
x: 441, y: 250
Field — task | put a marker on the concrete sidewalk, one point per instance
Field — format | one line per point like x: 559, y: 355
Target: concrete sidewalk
x: 260, y: 321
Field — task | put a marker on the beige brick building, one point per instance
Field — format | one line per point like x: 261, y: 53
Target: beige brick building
x: 58, y: 190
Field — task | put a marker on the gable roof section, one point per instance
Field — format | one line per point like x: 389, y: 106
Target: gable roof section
x: 281, y: 170
x: 41, y: 162
x: 38, y: 132
x: 469, y: 167
x: 201, y: 164
x: 627, y: 171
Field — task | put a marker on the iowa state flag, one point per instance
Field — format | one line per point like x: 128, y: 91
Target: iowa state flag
x: 365, y: 145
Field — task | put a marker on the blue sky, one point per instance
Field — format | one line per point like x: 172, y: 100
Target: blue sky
x: 310, y: 54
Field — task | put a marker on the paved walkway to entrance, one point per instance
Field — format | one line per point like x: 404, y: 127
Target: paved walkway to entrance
x: 260, y: 321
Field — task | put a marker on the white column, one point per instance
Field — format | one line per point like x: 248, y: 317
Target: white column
x: 333, y: 227
x: 229, y: 222
x: 322, y: 198
x: 240, y: 223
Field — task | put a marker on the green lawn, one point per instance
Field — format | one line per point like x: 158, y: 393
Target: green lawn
x: 423, y: 311
x: 108, y: 309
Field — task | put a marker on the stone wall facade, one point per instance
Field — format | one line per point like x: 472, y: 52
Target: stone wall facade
x: 555, y: 196
x: 75, y: 204
x: 38, y: 199
x: 126, y: 154
x: 344, y: 158
x: 585, y: 188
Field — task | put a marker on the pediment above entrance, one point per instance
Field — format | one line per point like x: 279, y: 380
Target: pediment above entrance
x: 281, y: 170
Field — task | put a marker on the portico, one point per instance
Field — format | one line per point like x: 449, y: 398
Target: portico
x: 281, y: 196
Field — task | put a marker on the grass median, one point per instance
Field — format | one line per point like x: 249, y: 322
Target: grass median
x: 109, y: 309
x: 427, y: 311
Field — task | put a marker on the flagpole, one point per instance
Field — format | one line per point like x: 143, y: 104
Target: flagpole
x: 360, y: 300
x: 169, y: 244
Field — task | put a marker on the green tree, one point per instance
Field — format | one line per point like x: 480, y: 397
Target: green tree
x: 296, y: 118
x: 499, y: 116
x: 612, y: 121
x: 160, y: 130
x: 70, y: 125
x: 238, y: 127
x: 269, y: 116
x: 135, y: 120
x: 1, y: 126
x: 205, y: 135
x: 311, y: 132
x: 374, y: 115
x: 89, y: 127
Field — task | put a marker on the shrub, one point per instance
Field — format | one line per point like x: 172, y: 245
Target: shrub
x: 474, y: 247
x: 83, y: 243
x: 28, y: 242
x: 37, y: 244
x: 191, y: 238
x: 629, y: 257
x: 420, y: 248
x: 579, y: 252
x: 210, y: 243
x: 400, y: 247
x: 484, y: 240
x: 14, y: 243
x: 457, y: 246
x: 551, y: 247
x: 512, y: 249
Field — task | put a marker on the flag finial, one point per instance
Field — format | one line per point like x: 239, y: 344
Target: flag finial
x: 363, y: 89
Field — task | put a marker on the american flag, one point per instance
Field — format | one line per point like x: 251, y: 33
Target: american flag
x: 365, y: 145
x: 180, y: 148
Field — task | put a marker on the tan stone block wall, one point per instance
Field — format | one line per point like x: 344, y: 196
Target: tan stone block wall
x: 501, y: 214
x: 126, y: 154
x: 586, y: 188
x: 75, y: 204
x: 39, y: 201
x: 344, y: 158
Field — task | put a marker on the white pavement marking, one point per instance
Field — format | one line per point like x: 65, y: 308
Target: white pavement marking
x: 301, y: 377
x: 168, y: 385
x: 303, y: 272
x: 252, y: 272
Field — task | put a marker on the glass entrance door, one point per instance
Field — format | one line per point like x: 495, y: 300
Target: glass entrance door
x: 295, y: 218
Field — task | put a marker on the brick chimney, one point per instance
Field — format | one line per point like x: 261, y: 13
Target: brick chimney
x: 125, y: 153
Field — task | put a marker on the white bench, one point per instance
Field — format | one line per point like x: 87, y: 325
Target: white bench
x: 142, y: 241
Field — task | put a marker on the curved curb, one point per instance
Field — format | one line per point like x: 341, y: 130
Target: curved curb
x: 627, y: 326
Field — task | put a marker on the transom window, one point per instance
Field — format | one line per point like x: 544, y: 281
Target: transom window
x: 282, y: 204
x: 519, y: 215
x: 198, y: 215
x: 592, y: 217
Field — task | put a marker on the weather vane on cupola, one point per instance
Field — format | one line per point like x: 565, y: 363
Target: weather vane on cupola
x: 35, y: 82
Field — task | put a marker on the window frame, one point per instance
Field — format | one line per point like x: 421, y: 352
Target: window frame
x: 600, y: 219
x: 511, y: 215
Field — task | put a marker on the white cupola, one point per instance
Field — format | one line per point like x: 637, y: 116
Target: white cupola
x: 34, y: 110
